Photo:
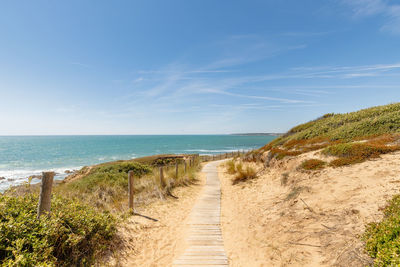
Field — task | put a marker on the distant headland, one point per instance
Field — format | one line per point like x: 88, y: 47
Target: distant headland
x: 259, y: 134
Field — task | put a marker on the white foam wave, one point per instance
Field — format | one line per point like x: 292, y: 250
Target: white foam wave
x: 17, y: 177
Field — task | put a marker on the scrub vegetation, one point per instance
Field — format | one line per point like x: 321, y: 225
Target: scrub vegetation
x: 352, y: 137
x: 85, y: 211
x: 348, y: 139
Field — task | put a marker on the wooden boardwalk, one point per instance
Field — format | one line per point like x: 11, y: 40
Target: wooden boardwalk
x: 206, y: 247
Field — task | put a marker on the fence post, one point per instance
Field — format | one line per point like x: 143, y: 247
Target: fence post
x: 162, y: 182
x: 185, y: 166
x: 176, y: 170
x: 45, y: 193
x: 130, y: 189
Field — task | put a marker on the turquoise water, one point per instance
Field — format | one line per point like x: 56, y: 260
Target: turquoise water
x: 23, y: 156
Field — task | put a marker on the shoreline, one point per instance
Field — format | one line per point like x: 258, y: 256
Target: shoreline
x: 15, y: 178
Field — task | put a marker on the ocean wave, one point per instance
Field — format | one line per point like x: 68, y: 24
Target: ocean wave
x: 23, y: 174
x: 18, y: 177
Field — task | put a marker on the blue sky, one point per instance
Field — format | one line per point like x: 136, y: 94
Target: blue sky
x: 192, y: 67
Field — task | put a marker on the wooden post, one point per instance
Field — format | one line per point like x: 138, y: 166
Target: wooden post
x: 185, y: 166
x: 130, y: 189
x: 176, y: 170
x: 162, y: 182
x: 45, y: 193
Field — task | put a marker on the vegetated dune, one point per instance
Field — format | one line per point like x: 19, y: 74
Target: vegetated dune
x: 315, y: 193
x: 312, y: 218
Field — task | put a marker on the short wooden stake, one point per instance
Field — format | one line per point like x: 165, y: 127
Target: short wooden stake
x: 162, y: 183
x: 185, y: 166
x: 176, y: 170
x: 130, y: 189
x: 45, y: 193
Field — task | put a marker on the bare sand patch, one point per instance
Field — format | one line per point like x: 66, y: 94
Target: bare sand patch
x: 313, y: 219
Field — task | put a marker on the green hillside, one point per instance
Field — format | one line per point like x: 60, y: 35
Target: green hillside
x: 364, y: 123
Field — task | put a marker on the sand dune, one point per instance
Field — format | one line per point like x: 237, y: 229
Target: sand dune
x: 314, y: 220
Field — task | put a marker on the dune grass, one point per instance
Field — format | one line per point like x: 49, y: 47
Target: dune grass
x: 106, y: 185
x: 350, y: 153
x: 340, y: 135
x: 352, y: 138
x: 313, y: 164
x: 240, y: 173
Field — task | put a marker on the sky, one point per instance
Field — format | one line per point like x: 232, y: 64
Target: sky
x: 192, y: 67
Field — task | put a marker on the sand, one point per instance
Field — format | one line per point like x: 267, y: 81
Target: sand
x: 149, y: 243
x: 316, y: 219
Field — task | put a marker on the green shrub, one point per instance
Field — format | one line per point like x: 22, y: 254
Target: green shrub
x: 382, y: 239
x: 72, y: 235
x: 372, y: 121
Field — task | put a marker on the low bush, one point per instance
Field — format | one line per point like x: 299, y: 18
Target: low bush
x: 106, y: 185
x: 244, y: 174
x: 382, y: 239
x: 281, y: 153
x: 350, y: 153
x: 313, y: 164
x: 73, y: 235
x: 230, y: 167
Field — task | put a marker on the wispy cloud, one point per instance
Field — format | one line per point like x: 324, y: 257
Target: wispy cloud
x: 367, y: 8
x: 277, y: 99
x: 80, y: 64
x: 305, y: 34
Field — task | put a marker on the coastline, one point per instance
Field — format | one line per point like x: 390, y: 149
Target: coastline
x: 30, y: 156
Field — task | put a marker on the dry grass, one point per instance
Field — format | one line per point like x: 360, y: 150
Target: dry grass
x: 313, y: 164
x: 230, y: 167
x: 295, y: 192
x: 351, y: 153
x: 281, y: 153
x: 105, y: 186
x: 284, y: 178
x: 243, y: 173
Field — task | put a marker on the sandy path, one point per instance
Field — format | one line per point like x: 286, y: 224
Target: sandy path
x: 205, y: 244
x: 148, y: 243
x: 266, y: 222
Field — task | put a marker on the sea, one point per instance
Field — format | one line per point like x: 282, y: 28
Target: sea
x: 25, y: 156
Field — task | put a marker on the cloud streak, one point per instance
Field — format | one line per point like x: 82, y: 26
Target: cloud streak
x: 368, y: 8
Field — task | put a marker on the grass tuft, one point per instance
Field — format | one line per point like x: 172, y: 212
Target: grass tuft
x: 241, y: 174
x: 284, y: 178
x: 313, y: 164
